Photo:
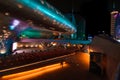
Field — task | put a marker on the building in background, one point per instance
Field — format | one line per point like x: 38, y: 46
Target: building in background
x: 71, y: 17
x: 113, y: 21
x: 80, y: 24
x: 115, y: 25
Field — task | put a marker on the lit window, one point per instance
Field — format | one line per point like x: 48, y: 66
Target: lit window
x: 40, y: 46
x: 36, y: 45
x: 26, y: 45
x: 21, y: 45
x: 31, y: 45
x: 6, y: 13
x: 3, y: 51
x: 19, y: 6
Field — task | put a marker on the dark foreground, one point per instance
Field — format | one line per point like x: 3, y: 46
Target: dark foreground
x: 77, y: 69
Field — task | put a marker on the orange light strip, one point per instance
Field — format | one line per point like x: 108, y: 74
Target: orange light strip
x: 33, y: 73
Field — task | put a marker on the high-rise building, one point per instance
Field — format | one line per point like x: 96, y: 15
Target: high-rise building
x: 72, y: 18
x: 113, y: 22
x: 80, y: 23
x: 115, y: 25
x: 115, y: 19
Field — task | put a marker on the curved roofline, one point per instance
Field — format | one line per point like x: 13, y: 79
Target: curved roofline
x: 49, y: 13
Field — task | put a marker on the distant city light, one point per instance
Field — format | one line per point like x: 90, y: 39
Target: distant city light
x: 118, y: 40
x: 16, y: 22
x: 3, y: 51
x: 115, y: 16
x: 6, y: 13
x: 11, y: 27
x: 14, y: 46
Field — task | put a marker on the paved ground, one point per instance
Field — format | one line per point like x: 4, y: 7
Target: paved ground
x: 78, y: 70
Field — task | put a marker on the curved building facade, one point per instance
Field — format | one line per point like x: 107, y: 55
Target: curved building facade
x: 34, y: 14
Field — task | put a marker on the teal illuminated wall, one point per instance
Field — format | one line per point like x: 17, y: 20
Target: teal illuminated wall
x: 51, y: 13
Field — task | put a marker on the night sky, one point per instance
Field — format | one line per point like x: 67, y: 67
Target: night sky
x: 95, y: 12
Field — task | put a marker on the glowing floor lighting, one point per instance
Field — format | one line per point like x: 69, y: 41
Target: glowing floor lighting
x: 33, y: 73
